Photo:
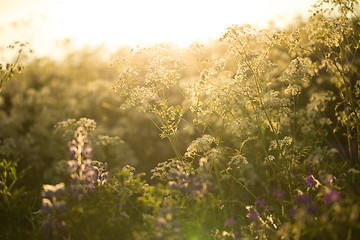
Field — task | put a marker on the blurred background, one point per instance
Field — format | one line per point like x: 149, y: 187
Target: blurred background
x: 69, y: 74
x: 48, y: 24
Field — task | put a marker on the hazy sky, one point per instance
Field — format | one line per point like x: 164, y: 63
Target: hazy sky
x: 134, y: 22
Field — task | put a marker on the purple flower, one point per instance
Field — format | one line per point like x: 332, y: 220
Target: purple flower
x: 312, y: 209
x: 303, y: 198
x: 173, y: 174
x: 105, y: 175
x: 90, y: 187
x: 331, y: 197
x: 72, y: 166
x: 253, y: 216
x: 292, y: 211
x: 73, y: 150
x: 53, y: 190
x: 229, y: 222
x: 279, y: 194
x: 88, y: 152
x: 91, y: 175
x: 87, y: 163
x: 309, y: 180
x: 260, y: 202
x: 184, y: 176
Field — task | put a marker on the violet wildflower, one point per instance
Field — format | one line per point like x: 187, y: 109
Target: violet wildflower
x: 72, y: 151
x: 309, y: 180
x: 87, y: 163
x: 74, y: 178
x: 196, y: 182
x: 230, y: 222
x: 173, y: 174
x: 331, y: 197
x: 260, y: 202
x: 292, y: 211
x: 184, y: 176
x: 312, y: 209
x: 91, y: 175
x: 105, y: 174
x: 279, y: 194
x: 303, y: 198
x: 184, y: 187
x: 253, y: 216
x: 88, y: 152
x: 72, y: 166
x: 53, y: 190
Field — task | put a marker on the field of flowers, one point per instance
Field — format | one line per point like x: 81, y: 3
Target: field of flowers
x: 256, y: 136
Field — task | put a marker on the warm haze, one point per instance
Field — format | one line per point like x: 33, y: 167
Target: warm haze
x: 110, y: 22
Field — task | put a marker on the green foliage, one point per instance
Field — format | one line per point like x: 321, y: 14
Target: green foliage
x: 255, y: 137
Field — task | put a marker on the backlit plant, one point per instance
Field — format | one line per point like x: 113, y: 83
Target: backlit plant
x: 260, y: 133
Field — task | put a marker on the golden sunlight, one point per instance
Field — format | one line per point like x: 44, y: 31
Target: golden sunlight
x: 113, y: 23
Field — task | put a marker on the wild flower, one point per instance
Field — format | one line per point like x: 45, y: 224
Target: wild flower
x: 331, y: 196
x: 312, y: 209
x: 269, y: 160
x: 200, y: 145
x: 8, y: 70
x: 196, y: 186
x: 50, y: 191
x: 253, y: 215
x: 259, y: 202
x: 52, y: 207
x: 292, y: 211
x: 258, y: 123
x: 85, y: 176
x: 229, y: 222
x: 238, y: 160
x: 279, y: 194
x: 310, y: 181
x: 303, y: 198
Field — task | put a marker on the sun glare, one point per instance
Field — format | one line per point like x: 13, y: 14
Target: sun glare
x: 135, y: 22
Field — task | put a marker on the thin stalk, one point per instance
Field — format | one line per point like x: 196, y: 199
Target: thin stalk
x: 348, y: 133
x: 241, y: 184
x: 256, y: 80
x: 219, y: 184
x: 172, y: 143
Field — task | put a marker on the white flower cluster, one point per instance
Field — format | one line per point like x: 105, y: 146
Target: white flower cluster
x: 200, y: 145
